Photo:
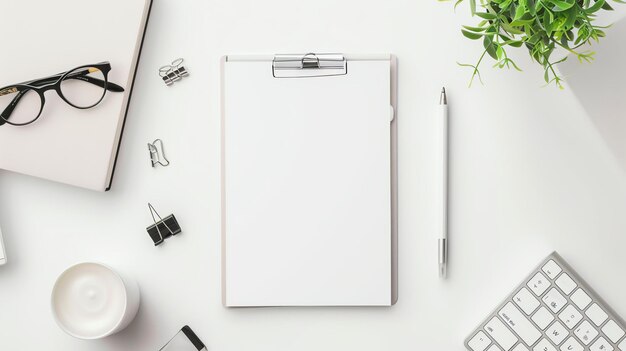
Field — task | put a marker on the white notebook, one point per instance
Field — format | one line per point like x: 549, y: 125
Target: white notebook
x: 308, y: 184
x: 68, y: 145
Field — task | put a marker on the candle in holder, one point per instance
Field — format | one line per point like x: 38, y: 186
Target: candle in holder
x: 92, y: 301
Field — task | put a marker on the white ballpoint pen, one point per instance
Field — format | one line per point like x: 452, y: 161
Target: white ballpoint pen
x: 442, y: 133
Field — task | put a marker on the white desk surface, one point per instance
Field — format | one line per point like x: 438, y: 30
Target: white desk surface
x: 532, y: 170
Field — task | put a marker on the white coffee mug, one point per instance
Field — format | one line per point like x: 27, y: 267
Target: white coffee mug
x: 92, y: 301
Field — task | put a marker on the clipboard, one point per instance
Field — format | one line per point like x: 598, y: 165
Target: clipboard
x: 309, y: 180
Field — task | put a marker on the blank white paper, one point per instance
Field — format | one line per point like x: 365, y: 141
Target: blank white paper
x: 307, y: 186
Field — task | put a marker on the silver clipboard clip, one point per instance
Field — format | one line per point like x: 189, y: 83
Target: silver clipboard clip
x: 309, y: 65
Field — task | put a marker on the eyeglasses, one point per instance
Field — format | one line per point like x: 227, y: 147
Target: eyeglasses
x: 82, y: 87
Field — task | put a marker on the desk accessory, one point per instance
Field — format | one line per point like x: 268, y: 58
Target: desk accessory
x: 553, y: 309
x: 3, y: 255
x: 157, y: 153
x: 92, y: 301
x: 442, y: 134
x: 81, y: 146
x: 184, y: 340
x: 174, y: 72
x: 82, y: 87
x: 162, y: 229
x: 542, y: 27
x: 317, y: 132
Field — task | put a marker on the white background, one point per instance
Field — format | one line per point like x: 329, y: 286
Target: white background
x: 532, y: 170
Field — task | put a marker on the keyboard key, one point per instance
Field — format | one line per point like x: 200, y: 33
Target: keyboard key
x: 557, y: 333
x: 479, y: 342
x: 566, y: 283
x: 550, y: 311
x: 554, y: 300
x: 613, y: 331
x: 601, y: 345
x: 519, y: 324
x: 570, y: 316
x: 539, y: 284
x: 520, y: 347
x: 572, y: 345
x: 543, y: 317
x: 501, y: 334
x: 526, y: 301
x: 596, y: 314
x: 551, y: 269
x: 581, y: 299
x: 586, y: 332
x: 544, y: 345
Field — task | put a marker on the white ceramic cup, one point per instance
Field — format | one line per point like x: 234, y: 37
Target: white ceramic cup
x: 92, y: 301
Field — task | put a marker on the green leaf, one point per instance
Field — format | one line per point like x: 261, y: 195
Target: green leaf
x: 607, y: 7
x: 521, y: 22
x: 473, y: 6
x: 456, y: 4
x: 514, y: 65
x: 519, y: 12
x: 548, y: 19
x: 471, y: 35
x: 475, y: 29
x: 563, y: 5
x: 595, y: 7
x: 572, y: 14
x: 583, y: 35
x: 486, y: 15
x: 515, y: 43
x: 505, y: 4
x: 530, y: 4
x: 475, y: 73
x: 490, y: 47
x: 587, y: 56
x: 500, y: 54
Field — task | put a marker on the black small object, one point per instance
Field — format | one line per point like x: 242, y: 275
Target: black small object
x: 162, y: 229
x: 195, y: 340
x: 184, y: 340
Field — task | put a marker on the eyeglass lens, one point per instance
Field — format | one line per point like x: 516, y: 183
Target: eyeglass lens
x: 84, y: 87
x: 19, y: 106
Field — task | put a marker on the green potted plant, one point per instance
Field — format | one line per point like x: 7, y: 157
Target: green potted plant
x: 543, y: 27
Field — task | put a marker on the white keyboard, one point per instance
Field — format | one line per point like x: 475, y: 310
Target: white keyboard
x: 552, y: 310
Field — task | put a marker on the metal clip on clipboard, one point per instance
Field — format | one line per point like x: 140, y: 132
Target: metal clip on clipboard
x: 309, y: 65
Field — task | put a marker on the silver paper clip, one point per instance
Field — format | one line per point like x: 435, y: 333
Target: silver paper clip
x: 157, y: 153
x: 173, y: 72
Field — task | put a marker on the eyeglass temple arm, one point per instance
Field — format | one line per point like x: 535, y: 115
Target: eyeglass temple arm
x: 99, y: 82
x: 95, y: 81
x: 9, y: 109
x: 82, y: 76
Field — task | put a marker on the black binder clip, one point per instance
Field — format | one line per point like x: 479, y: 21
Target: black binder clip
x: 174, y: 72
x: 184, y: 340
x: 162, y: 229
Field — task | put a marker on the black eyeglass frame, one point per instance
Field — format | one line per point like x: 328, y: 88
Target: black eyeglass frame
x: 42, y: 85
